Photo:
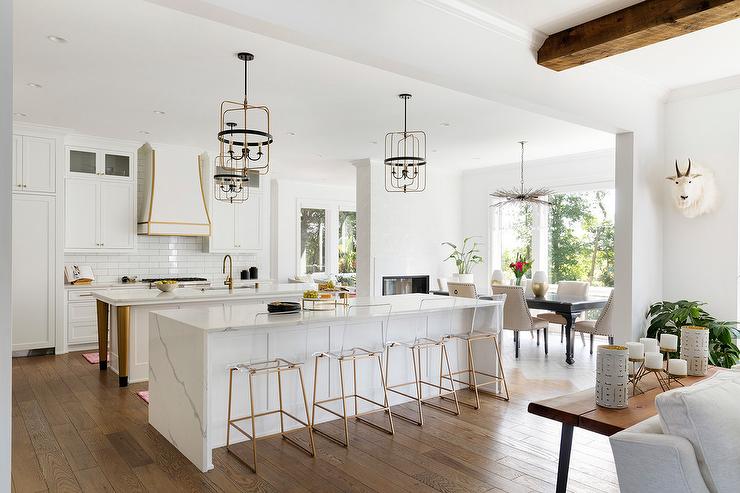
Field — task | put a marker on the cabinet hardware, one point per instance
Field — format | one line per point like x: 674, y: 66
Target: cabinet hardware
x: 87, y: 294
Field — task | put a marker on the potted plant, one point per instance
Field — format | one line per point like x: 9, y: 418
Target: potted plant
x: 666, y: 317
x: 520, y: 267
x: 465, y: 258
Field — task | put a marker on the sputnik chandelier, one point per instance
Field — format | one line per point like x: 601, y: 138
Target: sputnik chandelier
x: 244, y: 150
x: 521, y: 195
x: 405, y: 158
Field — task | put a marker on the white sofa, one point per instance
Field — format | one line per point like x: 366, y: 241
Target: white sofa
x: 692, y: 445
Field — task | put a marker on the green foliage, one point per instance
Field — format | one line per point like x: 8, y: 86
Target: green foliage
x: 466, y: 257
x: 313, y: 247
x: 668, y: 317
x: 347, y: 242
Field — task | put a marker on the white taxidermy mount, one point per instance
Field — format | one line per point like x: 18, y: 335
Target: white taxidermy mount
x: 694, y: 191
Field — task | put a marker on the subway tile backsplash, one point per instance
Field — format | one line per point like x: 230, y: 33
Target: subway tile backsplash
x: 159, y: 256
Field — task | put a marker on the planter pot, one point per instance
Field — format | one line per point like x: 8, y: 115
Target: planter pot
x: 612, y: 376
x: 466, y: 278
x: 695, y: 349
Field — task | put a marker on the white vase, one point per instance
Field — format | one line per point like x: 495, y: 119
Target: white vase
x: 695, y: 349
x: 612, y: 376
x: 466, y: 278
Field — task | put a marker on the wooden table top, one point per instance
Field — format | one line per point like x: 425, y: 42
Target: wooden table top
x: 580, y: 409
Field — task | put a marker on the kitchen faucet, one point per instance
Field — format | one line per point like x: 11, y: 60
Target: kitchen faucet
x: 229, y: 281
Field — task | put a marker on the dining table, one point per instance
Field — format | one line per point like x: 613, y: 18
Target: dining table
x: 569, y: 307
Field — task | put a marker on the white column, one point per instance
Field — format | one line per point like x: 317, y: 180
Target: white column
x: 363, y: 204
x: 6, y: 102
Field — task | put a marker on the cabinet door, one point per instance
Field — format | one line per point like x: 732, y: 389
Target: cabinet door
x: 116, y: 164
x: 81, y: 214
x: 222, y: 227
x: 17, y: 162
x: 82, y: 161
x: 33, y: 240
x: 117, y: 220
x: 248, y: 224
x: 39, y: 164
x: 82, y: 325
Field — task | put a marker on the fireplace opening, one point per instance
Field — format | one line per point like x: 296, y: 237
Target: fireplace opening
x: 405, y: 285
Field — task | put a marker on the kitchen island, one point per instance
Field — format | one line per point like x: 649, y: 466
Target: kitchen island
x: 128, y: 310
x: 191, y: 351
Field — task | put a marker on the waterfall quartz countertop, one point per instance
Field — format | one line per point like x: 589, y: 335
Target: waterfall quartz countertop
x: 136, y: 297
x: 217, y: 319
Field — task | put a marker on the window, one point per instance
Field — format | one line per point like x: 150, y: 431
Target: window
x: 572, y: 240
x: 328, y: 240
x: 313, y: 241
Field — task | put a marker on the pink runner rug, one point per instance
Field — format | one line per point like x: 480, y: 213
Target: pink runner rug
x: 143, y: 395
x: 93, y: 358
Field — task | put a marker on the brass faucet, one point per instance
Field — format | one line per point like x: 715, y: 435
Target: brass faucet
x: 229, y: 278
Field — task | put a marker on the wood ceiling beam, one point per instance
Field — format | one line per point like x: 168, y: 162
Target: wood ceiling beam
x: 633, y: 27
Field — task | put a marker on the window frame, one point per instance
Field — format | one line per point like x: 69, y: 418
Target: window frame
x: 331, y: 238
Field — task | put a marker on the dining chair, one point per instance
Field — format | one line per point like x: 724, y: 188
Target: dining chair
x: 602, y: 326
x: 576, y: 289
x: 462, y: 289
x: 517, y: 317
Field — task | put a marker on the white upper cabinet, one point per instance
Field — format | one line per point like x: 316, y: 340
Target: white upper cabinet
x: 81, y: 214
x: 237, y: 228
x: 34, y: 164
x: 117, y: 220
x: 89, y: 162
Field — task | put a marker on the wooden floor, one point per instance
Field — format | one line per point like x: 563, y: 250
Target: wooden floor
x: 75, y: 430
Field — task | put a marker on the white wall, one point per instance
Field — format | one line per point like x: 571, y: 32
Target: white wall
x: 561, y: 173
x: 700, y: 258
x: 6, y: 103
x: 286, y: 198
x: 405, y: 231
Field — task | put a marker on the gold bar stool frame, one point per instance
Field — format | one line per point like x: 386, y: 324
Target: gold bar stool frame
x: 472, y: 381
x: 277, y: 366
x: 352, y: 355
x: 423, y: 341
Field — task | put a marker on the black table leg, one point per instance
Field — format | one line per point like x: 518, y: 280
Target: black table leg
x: 566, y: 441
x: 569, y: 336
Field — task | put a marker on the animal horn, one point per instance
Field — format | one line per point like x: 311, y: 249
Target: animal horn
x: 688, y: 171
x: 678, y: 173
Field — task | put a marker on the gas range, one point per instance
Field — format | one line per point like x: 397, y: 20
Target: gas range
x: 181, y: 281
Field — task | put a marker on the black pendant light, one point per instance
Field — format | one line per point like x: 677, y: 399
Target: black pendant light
x: 405, y: 158
x: 244, y: 147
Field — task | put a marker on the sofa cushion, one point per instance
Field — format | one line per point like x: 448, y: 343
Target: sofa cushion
x: 707, y: 414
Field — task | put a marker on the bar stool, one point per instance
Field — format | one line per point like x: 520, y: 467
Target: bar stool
x: 421, y: 340
x: 344, y: 354
x: 253, y: 369
x: 476, y: 335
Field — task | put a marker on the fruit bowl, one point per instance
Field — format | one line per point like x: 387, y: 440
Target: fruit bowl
x: 166, y: 286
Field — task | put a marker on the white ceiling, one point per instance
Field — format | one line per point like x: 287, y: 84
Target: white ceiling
x: 123, y: 60
x: 694, y: 58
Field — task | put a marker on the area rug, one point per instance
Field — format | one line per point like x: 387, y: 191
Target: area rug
x: 93, y: 358
x: 143, y: 395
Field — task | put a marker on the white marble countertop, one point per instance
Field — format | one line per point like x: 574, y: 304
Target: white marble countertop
x: 216, y: 319
x: 135, y: 297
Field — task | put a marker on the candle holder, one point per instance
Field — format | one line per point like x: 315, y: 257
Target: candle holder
x: 637, y: 375
x: 665, y: 379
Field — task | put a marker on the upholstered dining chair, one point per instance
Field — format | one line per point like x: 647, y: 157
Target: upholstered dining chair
x: 462, y: 289
x: 602, y: 326
x: 516, y: 314
x: 578, y: 289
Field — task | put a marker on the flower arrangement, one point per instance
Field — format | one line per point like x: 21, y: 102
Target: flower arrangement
x: 520, y: 267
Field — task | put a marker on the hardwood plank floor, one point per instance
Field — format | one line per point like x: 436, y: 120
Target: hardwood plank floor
x: 74, y: 429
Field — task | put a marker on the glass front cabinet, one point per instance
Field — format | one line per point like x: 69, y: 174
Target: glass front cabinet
x: 83, y: 161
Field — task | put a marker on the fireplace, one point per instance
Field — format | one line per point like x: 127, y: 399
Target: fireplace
x: 405, y: 284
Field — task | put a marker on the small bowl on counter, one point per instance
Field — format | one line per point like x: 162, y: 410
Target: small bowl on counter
x: 166, y: 286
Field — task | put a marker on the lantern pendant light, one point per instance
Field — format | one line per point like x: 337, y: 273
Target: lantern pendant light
x: 244, y: 147
x: 405, y: 158
x: 522, y: 195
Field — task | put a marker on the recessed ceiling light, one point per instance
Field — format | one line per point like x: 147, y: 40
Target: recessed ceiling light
x: 19, y: 114
x: 373, y: 141
x: 476, y: 158
x: 56, y: 39
x: 434, y: 150
x: 159, y: 112
x: 34, y: 85
x: 143, y: 132
x: 445, y: 124
x: 292, y: 134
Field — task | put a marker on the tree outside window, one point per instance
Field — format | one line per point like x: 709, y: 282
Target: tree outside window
x: 313, y: 244
x: 347, y: 242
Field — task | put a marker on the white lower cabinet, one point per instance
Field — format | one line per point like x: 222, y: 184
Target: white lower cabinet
x: 82, y: 323
x: 34, y: 268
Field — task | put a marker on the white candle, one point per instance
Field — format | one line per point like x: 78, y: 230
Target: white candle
x: 653, y: 361
x: 677, y: 367
x: 669, y: 342
x: 637, y: 350
x: 651, y: 345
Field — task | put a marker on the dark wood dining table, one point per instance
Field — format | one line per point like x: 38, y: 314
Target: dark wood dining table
x: 569, y: 307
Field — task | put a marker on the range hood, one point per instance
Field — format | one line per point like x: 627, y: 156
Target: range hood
x: 170, y: 196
